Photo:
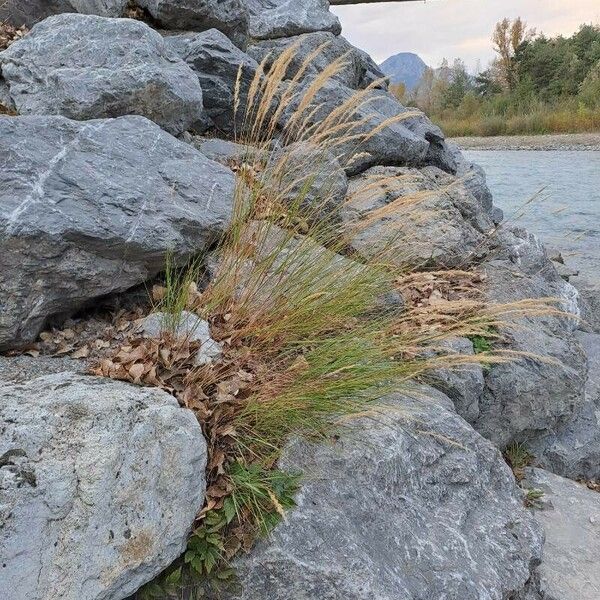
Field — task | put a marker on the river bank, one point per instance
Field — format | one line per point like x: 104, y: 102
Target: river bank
x: 564, y: 141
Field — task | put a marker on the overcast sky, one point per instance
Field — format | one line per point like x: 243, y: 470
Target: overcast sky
x: 438, y: 29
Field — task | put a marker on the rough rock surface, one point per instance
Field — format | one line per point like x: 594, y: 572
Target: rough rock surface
x: 530, y: 396
x: 573, y: 450
x: 570, y: 515
x: 358, y: 70
x: 228, y: 16
x: 285, y: 18
x: 216, y: 62
x: 100, y: 482
x: 410, y: 504
x: 405, y: 137
x: 92, y: 208
x: 589, y: 295
x: 474, y: 178
x: 29, y: 12
x: 428, y: 217
x: 66, y: 67
x: 20, y: 369
x: 190, y: 326
x: 226, y: 152
x: 464, y: 385
x: 309, y: 178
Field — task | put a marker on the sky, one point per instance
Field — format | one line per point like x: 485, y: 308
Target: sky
x: 437, y: 29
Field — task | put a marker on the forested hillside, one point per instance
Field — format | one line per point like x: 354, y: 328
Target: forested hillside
x: 536, y: 84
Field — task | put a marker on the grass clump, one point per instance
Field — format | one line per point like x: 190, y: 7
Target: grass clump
x: 533, y: 498
x: 308, y: 339
x: 518, y: 458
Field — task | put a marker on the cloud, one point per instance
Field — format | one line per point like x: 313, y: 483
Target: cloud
x: 439, y: 29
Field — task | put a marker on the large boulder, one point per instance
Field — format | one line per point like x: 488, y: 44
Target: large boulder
x: 220, y: 67
x: 29, y: 12
x: 308, y: 179
x: 570, y: 515
x: 463, y: 385
x: 474, y: 178
x: 91, y: 208
x: 543, y: 389
x: 380, y: 131
x: 88, y: 67
x: 415, y: 217
x: 228, y: 16
x: 589, y: 295
x: 284, y: 18
x: 410, y: 503
x: 100, y: 482
x: 358, y: 69
x: 573, y: 450
x: 22, y: 368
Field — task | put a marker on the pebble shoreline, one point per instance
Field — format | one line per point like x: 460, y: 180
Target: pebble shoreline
x: 565, y: 141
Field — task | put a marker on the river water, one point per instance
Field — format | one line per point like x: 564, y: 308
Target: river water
x: 554, y: 194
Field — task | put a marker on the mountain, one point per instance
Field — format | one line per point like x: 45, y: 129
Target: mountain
x: 405, y: 67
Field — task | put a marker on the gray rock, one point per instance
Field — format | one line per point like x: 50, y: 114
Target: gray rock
x: 100, y: 482
x: 463, y: 385
x: 29, y: 12
x: 565, y: 271
x: 414, y: 217
x: 411, y: 503
x: 284, y: 18
x: 574, y: 449
x: 228, y: 16
x: 190, y: 327
x: 358, y: 70
x: 474, y: 179
x: 570, y: 515
x: 308, y: 178
x: 542, y: 390
x: 87, y: 67
x: 92, y: 208
x: 226, y: 152
x: 217, y: 62
x: 404, y: 137
x: 284, y: 255
x: 23, y: 368
x: 589, y: 295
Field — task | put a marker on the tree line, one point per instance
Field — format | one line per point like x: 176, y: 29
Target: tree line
x: 536, y: 84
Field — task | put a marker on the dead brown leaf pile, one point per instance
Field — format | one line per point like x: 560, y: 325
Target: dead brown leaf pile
x: 423, y: 289
x: 9, y: 34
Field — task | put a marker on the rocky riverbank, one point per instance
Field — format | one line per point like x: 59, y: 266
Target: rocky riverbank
x: 564, y: 141
x: 374, y: 249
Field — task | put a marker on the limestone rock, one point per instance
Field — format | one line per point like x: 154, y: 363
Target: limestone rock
x: 392, y: 135
x: 544, y: 389
x: 29, y: 12
x: 228, y: 16
x: 216, y: 62
x: 92, y: 208
x: 359, y: 69
x: 463, y: 385
x: 284, y: 18
x: 589, y: 295
x: 100, y: 482
x: 428, y: 217
x: 309, y: 178
x: 570, y: 515
x: 88, y: 67
x: 573, y: 450
x: 22, y: 368
x: 190, y: 327
x: 409, y: 504
x: 226, y: 152
x: 474, y: 178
